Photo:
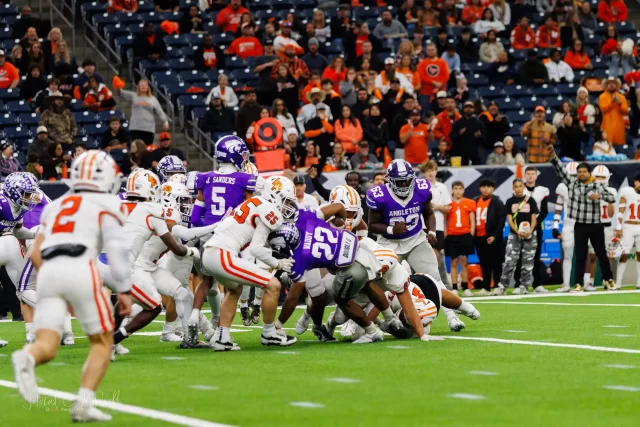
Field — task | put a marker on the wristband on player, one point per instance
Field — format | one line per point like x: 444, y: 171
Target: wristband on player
x: 432, y: 233
x: 390, y: 229
x: 556, y: 218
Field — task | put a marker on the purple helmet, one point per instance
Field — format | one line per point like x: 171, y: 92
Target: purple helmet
x: 21, y: 188
x: 400, y: 176
x: 232, y: 149
x: 285, y: 239
x: 169, y: 165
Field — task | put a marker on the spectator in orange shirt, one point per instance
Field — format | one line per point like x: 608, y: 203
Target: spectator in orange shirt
x: 99, y: 97
x: 461, y: 227
x: 228, y: 19
x: 444, y: 122
x: 548, y: 34
x: 434, y: 74
x: 247, y: 45
x: 522, y: 36
x: 472, y: 12
x: 612, y: 11
x: 415, y: 138
x: 9, y: 75
x: 122, y: 6
x: 348, y: 130
x: 336, y: 71
x: 576, y: 58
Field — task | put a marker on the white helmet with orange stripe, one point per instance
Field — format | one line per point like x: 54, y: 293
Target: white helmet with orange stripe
x: 350, y: 199
x: 144, y: 184
x: 94, y: 170
x: 572, y: 168
x: 601, y: 173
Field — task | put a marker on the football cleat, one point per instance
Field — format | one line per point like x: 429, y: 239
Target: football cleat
x: 179, y: 331
x: 209, y: 334
x: 169, y: 337
x: 473, y: 314
x: 563, y: 289
x: 610, y: 284
x: 87, y: 413
x: 328, y: 327
x: 590, y: 288
x: 24, y: 371
x: 303, y: 323
x: 192, y: 334
x: 577, y: 289
x: 322, y: 334
x: 121, y: 350
x: 348, y: 328
x: 29, y: 339
x: 112, y: 356
x: 225, y: 346
x: 246, y: 318
x: 277, y: 340
x: 467, y: 293
x: 215, y: 321
x: 68, y: 339
x: 541, y: 290
x: 203, y: 324
x: 377, y: 335
x: 455, y: 324
x: 483, y: 293
x: 255, y: 314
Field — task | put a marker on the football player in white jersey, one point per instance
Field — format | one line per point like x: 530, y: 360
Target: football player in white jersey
x: 75, y: 228
x: 628, y: 228
x: 145, y: 220
x: 566, y: 237
x: 250, y: 225
x: 607, y: 210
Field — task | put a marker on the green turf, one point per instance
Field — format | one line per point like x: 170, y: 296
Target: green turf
x: 534, y: 386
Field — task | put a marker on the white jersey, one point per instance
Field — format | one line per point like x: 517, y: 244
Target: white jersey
x: 77, y: 219
x: 255, y: 215
x: 440, y: 196
x: 308, y: 202
x: 427, y: 310
x: 633, y: 204
x: 605, y: 219
x: 143, y: 221
x: 539, y: 194
x: 562, y: 193
x: 154, y: 248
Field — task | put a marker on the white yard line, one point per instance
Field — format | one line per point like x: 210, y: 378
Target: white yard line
x: 554, y: 303
x: 547, y: 344
x: 127, y: 409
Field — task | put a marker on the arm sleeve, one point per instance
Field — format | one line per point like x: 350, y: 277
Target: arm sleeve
x: 24, y: 233
x: 562, y: 174
x: 197, y: 214
x: 128, y: 95
x: 184, y: 233
x: 258, y: 247
x: 116, y: 249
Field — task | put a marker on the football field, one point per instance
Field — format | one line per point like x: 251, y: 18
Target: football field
x: 570, y: 360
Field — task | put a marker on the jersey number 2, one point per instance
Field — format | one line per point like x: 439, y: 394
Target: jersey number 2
x: 70, y: 206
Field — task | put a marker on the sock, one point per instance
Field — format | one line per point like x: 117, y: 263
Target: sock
x: 371, y: 329
x: 120, y: 335
x: 466, y: 308
x: 244, y: 304
x: 86, y: 396
x: 388, y: 314
x: 225, y: 334
x: 214, y: 304
x: 30, y: 328
x: 169, y: 326
x: 66, y: 329
x: 567, y: 264
x: 586, y: 279
x: 592, y: 281
x: 195, y: 316
x: 465, y: 286
x: 135, y: 310
x: 268, y: 329
x: 184, y: 302
x: 620, y: 272
x: 278, y: 324
x: 257, y: 301
x: 450, y: 314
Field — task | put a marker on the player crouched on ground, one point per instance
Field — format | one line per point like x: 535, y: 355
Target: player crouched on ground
x: 75, y: 228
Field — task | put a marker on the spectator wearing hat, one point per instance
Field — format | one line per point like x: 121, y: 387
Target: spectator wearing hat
x: 219, y: 119
x: 229, y: 18
x: 8, y: 164
x: 291, y: 149
x: 539, y: 134
x: 82, y: 82
x: 614, y: 109
x: 305, y: 200
x: 389, y: 73
x: 313, y: 58
x: 467, y: 134
x: 466, y: 47
x: 144, y: 110
x: 491, y: 48
x: 444, y: 121
x: 414, y: 136
x: 434, y: 74
x: 497, y: 157
x: 532, y: 71
x: 548, y: 34
x: 284, y: 44
x: 9, y: 75
x: 33, y: 83
x: 39, y: 146
x: 522, y: 35
x: 320, y: 129
x: 246, y: 46
x: 366, y: 53
x: 348, y: 130
x: 208, y: 56
x: 438, y: 104
x: 59, y: 120
x: 364, y: 159
x: 264, y: 64
x: 166, y: 149
x: 316, y: 97
x: 558, y: 70
x: 149, y: 44
x: 99, y: 97
x: 390, y: 30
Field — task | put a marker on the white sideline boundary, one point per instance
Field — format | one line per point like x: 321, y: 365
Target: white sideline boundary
x: 547, y: 344
x: 127, y: 409
x: 552, y: 294
x: 554, y: 303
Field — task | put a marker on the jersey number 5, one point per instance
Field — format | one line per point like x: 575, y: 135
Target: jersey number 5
x: 242, y: 212
x: 70, y: 206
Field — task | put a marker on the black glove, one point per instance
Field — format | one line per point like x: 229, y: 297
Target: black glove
x: 556, y: 233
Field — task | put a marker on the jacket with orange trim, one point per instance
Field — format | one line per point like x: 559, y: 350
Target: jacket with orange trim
x: 548, y: 37
x: 443, y: 126
x: 522, y: 38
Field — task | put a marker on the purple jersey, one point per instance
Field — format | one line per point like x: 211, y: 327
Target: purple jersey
x: 10, y: 215
x: 32, y: 218
x: 321, y: 246
x: 394, y: 209
x: 222, y: 191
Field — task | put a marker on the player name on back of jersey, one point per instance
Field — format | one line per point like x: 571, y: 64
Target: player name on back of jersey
x: 221, y: 179
x: 406, y: 211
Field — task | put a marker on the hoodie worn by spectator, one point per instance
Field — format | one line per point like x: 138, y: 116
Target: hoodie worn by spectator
x: 349, y: 133
x: 443, y: 125
x: 208, y: 57
x: 612, y: 11
x: 523, y: 38
x: 122, y: 6
x: 228, y: 19
x: 548, y: 37
x: 532, y: 72
x: 430, y: 70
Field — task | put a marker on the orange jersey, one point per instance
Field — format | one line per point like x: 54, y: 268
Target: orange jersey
x: 433, y: 70
x: 459, y: 219
x: 481, y: 216
x: 246, y: 47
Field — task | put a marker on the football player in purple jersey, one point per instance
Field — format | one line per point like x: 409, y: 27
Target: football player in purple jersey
x: 400, y: 211
x: 169, y: 166
x: 219, y: 192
